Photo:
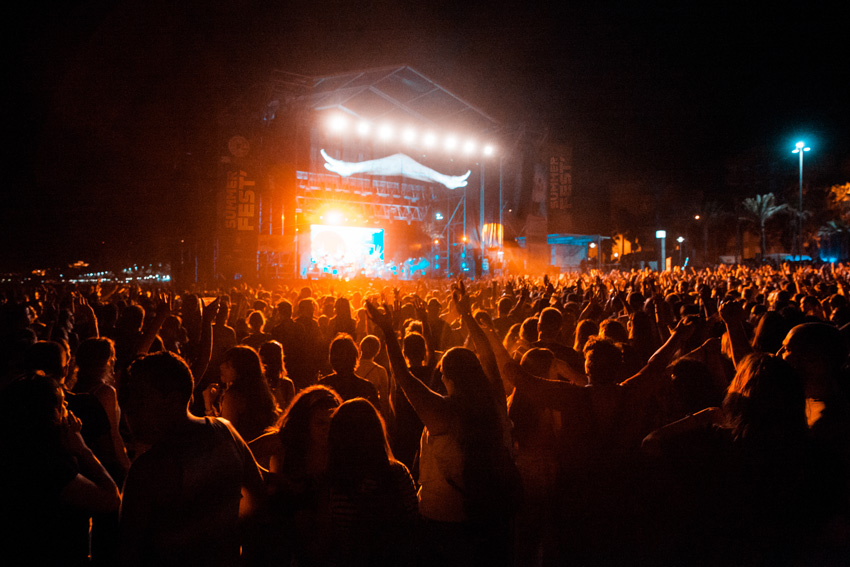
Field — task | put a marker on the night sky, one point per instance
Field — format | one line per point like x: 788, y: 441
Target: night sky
x: 112, y: 103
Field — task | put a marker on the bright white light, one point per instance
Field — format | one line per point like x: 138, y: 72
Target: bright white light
x: 801, y: 147
x: 429, y: 140
x: 469, y: 146
x: 680, y: 239
x: 593, y: 245
x: 408, y: 136
x: 489, y: 150
x: 337, y: 123
x: 660, y: 234
x: 439, y: 216
x: 363, y: 128
x: 450, y: 143
x: 385, y: 132
x: 334, y: 217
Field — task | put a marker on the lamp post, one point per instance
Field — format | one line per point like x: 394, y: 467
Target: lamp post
x: 662, y: 236
x: 799, y: 149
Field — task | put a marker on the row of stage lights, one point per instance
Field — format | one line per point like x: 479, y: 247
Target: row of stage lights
x: 340, y: 124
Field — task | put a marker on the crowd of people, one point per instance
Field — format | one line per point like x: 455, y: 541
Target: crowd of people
x: 678, y: 418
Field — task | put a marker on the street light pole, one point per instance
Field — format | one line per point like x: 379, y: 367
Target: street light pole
x: 799, y: 149
x: 662, y: 236
x: 681, y: 241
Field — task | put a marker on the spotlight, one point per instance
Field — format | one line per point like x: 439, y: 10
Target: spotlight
x: 408, y: 136
x: 489, y: 150
x: 334, y: 217
x: 429, y: 140
x: 450, y: 143
x: 469, y: 146
x: 363, y: 128
x: 337, y: 122
x: 385, y: 132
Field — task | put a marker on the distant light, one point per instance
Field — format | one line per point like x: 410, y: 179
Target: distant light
x: 469, y: 146
x: 696, y: 217
x: 436, y: 242
x: 464, y: 239
x: 489, y: 150
x: 800, y: 147
x: 439, y: 216
x: 616, y: 254
x: 660, y: 234
x: 408, y: 136
x: 385, y: 132
x: 680, y: 239
x: 429, y: 140
x: 337, y: 122
x: 334, y: 217
x: 593, y: 245
x: 363, y: 128
x: 450, y: 143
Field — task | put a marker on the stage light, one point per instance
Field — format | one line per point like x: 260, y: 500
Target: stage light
x: 363, y: 128
x: 408, y: 136
x: 385, y: 132
x: 450, y: 143
x: 334, y: 217
x: 469, y: 146
x: 439, y: 216
x: 429, y: 140
x: 436, y: 242
x: 337, y: 123
x: 463, y: 239
x: 489, y: 150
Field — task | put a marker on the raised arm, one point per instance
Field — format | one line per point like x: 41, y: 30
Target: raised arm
x: 432, y: 408
x: 479, y: 339
x: 664, y: 355
x: 732, y: 313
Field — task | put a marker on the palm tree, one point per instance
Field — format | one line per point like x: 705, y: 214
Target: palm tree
x: 832, y: 233
x: 759, y: 210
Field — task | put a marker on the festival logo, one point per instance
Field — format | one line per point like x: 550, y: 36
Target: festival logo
x: 396, y: 164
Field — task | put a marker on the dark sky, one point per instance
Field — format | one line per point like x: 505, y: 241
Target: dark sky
x: 112, y: 102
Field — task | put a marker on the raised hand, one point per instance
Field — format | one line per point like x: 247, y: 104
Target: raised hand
x: 461, y: 299
x: 383, y: 318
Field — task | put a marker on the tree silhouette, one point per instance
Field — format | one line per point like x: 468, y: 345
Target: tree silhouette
x: 760, y: 210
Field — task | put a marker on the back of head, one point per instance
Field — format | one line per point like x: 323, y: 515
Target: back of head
x: 256, y: 320
x: 550, y: 322
x: 528, y: 330
x: 246, y: 364
x: 285, y: 309
x: 343, y: 354
x: 603, y: 361
x: 505, y: 306
x: 30, y: 412
x: 414, y: 347
x: 50, y: 357
x: 357, y: 443
x: 342, y: 308
x: 369, y: 346
x: 538, y: 361
x: 92, y: 359
x: 165, y: 372
x: 766, y: 400
x: 132, y: 319
x: 271, y: 356
x: 294, y: 432
x: 306, y: 308
x: 614, y: 330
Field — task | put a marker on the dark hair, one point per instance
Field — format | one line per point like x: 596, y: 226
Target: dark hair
x: 294, y: 425
x: 603, y: 361
x: 271, y: 357
x: 92, y: 360
x: 585, y: 329
x: 343, y: 354
x: 46, y: 356
x: 415, y: 347
x: 357, y: 446
x: 250, y: 385
x: 766, y: 400
x: 163, y: 371
x: 538, y: 361
x: 550, y: 321
x: 29, y: 408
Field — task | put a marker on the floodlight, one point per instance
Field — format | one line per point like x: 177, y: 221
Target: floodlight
x: 385, y: 132
x: 363, y: 128
x: 429, y: 140
x: 660, y: 234
x: 469, y: 146
x: 409, y: 135
x: 337, y: 122
x: 450, y: 143
x: 334, y: 217
x: 489, y: 150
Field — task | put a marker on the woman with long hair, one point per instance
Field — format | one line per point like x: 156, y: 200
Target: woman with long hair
x: 95, y: 375
x: 271, y: 356
x: 373, y: 498
x: 467, y: 481
x: 246, y: 401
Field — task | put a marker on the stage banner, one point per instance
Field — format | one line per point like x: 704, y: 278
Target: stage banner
x: 559, y: 187
x: 238, y: 218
